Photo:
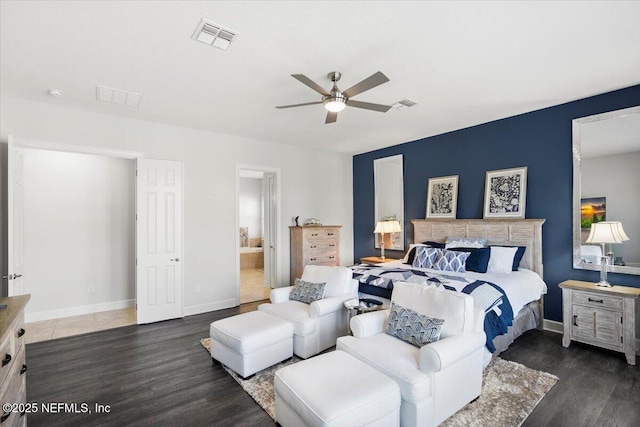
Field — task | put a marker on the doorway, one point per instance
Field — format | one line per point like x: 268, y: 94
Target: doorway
x: 152, y: 254
x: 257, y: 213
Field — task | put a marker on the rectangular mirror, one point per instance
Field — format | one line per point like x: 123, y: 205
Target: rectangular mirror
x: 388, y: 178
x: 606, y: 183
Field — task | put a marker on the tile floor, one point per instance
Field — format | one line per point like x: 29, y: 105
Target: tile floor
x: 252, y: 287
x: 76, y: 325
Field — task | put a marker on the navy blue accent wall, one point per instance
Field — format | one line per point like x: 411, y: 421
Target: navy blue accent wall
x: 540, y: 140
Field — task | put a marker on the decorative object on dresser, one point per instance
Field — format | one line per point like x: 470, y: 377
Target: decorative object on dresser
x: 601, y: 316
x: 442, y: 197
x: 604, y: 232
x: 375, y: 260
x: 384, y: 227
x: 13, y: 382
x: 505, y: 193
x: 313, y: 245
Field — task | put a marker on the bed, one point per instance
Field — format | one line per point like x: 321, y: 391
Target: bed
x: 524, y: 289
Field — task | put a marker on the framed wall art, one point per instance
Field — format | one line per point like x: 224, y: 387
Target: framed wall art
x: 442, y: 197
x: 505, y: 193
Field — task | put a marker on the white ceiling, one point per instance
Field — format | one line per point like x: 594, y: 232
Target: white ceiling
x: 464, y: 63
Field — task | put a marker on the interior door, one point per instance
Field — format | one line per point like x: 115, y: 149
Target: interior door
x: 15, y: 219
x: 269, y: 188
x: 159, y: 272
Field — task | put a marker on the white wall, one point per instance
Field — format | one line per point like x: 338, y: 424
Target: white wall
x: 250, y: 206
x: 616, y: 177
x: 314, y: 183
x: 79, y: 233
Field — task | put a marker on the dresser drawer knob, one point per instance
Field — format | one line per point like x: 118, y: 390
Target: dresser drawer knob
x: 4, y: 417
x: 596, y: 300
x: 21, y: 332
x: 575, y: 318
x: 313, y: 259
x: 23, y: 369
x: 6, y: 360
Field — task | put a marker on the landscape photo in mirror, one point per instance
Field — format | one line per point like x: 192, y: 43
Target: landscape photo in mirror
x: 592, y: 210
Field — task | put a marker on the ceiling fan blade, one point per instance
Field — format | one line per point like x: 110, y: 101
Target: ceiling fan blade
x: 368, y: 106
x: 369, y: 83
x: 313, y: 85
x: 299, y: 105
x: 331, y: 117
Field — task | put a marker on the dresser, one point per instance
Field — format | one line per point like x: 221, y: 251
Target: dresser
x: 13, y: 383
x: 601, y: 316
x: 313, y: 245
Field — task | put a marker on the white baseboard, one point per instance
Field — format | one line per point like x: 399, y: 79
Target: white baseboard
x: 77, y: 311
x: 553, y: 326
x: 212, y: 306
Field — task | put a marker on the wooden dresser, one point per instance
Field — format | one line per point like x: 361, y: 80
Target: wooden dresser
x: 313, y: 245
x: 601, y: 316
x: 13, y: 383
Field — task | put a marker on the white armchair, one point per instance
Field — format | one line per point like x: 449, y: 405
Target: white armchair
x: 316, y: 326
x: 437, y: 379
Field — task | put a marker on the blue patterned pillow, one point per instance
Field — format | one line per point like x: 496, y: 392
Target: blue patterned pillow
x: 452, y: 261
x: 413, y: 327
x: 307, y: 292
x: 426, y: 257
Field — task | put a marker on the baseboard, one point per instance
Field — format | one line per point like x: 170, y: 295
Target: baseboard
x: 77, y: 311
x: 553, y: 326
x: 212, y: 306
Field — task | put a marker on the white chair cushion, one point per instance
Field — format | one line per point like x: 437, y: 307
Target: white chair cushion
x: 454, y: 307
x: 338, y: 279
x: 295, y: 312
x: 394, y: 358
x: 248, y: 332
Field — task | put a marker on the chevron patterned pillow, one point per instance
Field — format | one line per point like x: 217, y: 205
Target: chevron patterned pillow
x: 413, y: 327
x: 307, y: 292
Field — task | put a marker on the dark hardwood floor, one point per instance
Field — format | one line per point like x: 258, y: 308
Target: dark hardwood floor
x: 159, y: 375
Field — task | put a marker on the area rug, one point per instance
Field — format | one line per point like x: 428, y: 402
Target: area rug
x: 510, y: 392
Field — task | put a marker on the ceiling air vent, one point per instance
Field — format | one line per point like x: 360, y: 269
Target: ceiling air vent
x: 118, y: 97
x: 214, y: 34
x: 405, y: 103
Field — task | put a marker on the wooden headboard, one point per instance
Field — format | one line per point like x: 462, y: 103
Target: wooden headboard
x: 520, y: 232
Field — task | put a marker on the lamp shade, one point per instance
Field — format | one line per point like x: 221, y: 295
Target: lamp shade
x: 607, y: 232
x: 387, y: 227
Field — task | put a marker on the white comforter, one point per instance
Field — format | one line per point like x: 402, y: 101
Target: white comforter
x: 521, y: 287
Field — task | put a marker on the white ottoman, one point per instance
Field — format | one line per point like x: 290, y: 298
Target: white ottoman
x: 335, y: 389
x: 250, y: 342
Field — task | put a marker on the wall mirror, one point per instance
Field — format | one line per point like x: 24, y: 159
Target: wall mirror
x: 389, y: 197
x: 606, y: 186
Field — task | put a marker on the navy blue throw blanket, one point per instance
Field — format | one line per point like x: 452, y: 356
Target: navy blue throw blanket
x: 375, y: 280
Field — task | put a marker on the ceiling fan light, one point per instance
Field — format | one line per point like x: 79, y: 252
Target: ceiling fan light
x: 335, y: 105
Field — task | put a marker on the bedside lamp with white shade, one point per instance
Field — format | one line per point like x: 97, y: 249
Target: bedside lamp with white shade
x: 383, y: 227
x: 604, y: 232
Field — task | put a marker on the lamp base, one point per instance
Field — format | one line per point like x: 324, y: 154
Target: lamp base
x: 604, y: 284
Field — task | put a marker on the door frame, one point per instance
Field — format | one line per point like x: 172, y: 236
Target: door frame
x: 278, y: 221
x: 19, y: 143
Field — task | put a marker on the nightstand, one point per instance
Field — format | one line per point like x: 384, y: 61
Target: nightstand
x: 600, y: 316
x: 375, y: 260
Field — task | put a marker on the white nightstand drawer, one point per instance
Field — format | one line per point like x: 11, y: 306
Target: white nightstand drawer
x: 597, y: 300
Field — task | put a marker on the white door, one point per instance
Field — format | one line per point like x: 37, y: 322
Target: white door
x: 158, y: 240
x: 271, y: 228
x: 15, y: 218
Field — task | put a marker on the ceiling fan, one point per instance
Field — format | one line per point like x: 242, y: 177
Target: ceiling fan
x: 335, y: 100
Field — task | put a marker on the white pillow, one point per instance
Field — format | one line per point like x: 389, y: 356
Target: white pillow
x: 411, y: 246
x: 501, y: 259
x: 465, y: 242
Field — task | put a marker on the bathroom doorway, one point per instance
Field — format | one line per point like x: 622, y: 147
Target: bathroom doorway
x: 256, y: 204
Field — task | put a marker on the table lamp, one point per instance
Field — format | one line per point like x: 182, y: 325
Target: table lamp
x: 384, y: 227
x: 604, y: 232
